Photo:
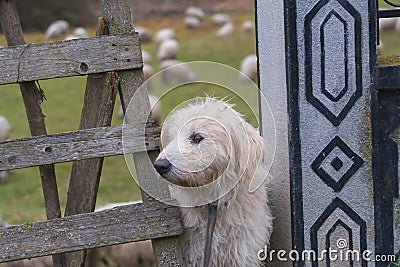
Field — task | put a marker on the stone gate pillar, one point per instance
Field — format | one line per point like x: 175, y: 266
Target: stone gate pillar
x: 316, y: 65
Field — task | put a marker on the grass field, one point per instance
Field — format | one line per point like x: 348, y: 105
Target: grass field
x: 21, y: 197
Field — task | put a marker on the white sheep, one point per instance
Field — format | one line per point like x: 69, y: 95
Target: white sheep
x: 164, y: 34
x: 5, y: 129
x: 155, y: 106
x: 168, y: 49
x: 248, y: 67
x: 144, y: 34
x: 387, y: 24
x: 176, y: 71
x: 220, y: 19
x: 225, y: 30
x: 195, y: 12
x: 81, y: 32
x: 148, y: 71
x: 247, y: 26
x: 131, y: 254
x: 71, y: 37
x: 380, y: 48
x: 146, y: 56
x: 192, y: 22
x: 56, y: 28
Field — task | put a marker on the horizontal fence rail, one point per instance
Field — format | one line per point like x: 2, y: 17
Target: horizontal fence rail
x: 69, y: 58
x: 119, y: 225
x: 71, y: 146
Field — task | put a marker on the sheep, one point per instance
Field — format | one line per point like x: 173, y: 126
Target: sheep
x: 146, y: 56
x: 387, y: 24
x: 148, y: 71
x: 81, y: 32
x: 175, y: 71
x: 220, y: 19
x: 225, y: 30
x: 144, y: 34
x: 5, y: 128
x: 155, y: 108
x: 125, y: 255
x: 155, y: 114
x: 380, y: 48
x: 248, y: 67
x: 195, y: 12
x: 192, y: 22
x: 56, y: 28
x: 247, y: 26
x: 397, y: 26
x: 164, y: 34
x: 168, y: 49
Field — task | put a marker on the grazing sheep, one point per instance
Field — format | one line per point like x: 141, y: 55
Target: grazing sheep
x: 56, y: 28
x: 81, y: 32
x: 380, y: 48
x: 397, y: 26
x: 225, y: 30
x: 164, y: 34
x: 247, y: 26
x: 175, y: 71
x: 220, y: 19
x: 155, y: 106
x: 249, y: 67
x: 3, y: 223
x: 387, y: 24
x: 168, y: 49
x: 5, y: 128
x: 195, y: 12
x: 144, y: 34
x: 126, y: 255
x: 146, y: 56
x: 71, y: 37
x: 148, y: 71
x: 192, y: 22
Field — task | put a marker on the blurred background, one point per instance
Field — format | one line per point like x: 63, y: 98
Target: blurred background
x: 215, y: 30
x: 218, y: 31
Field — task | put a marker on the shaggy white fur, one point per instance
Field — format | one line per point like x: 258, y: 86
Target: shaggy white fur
x: 209, y: 143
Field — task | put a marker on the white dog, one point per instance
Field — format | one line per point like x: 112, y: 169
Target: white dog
x: 210, y: 147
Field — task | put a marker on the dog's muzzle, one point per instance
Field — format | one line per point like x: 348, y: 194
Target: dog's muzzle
x: 163, y: 166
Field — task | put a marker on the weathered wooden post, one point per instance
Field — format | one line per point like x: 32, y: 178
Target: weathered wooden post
x: 324, y: 136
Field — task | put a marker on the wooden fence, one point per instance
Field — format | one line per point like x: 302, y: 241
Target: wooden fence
x: 112, y: 60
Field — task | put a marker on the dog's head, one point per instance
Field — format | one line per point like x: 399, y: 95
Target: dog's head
x: 205, y: 142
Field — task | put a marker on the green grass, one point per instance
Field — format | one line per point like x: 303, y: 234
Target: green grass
x: 21, y: 198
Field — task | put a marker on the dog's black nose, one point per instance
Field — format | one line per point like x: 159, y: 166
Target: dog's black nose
x: 162, y: 166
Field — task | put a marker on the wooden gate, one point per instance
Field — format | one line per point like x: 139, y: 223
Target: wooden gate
x: 339, y: 116
x: 113, y: 63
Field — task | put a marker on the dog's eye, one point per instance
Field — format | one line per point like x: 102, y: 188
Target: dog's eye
x: 196, y: 138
